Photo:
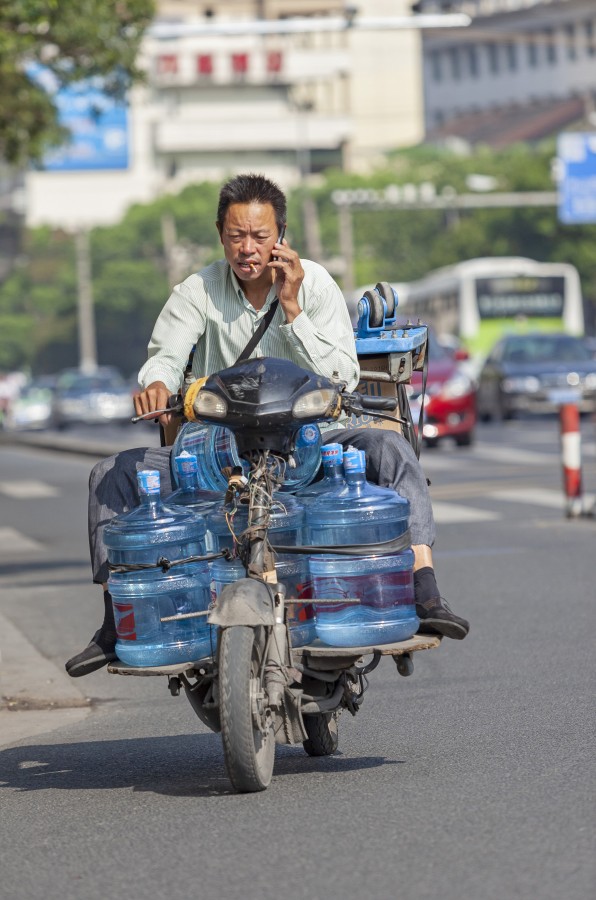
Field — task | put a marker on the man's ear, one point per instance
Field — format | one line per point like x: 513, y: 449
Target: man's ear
x: 219, y: 230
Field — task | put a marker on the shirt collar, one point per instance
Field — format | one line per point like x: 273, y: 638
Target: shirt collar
x: 241, y: 295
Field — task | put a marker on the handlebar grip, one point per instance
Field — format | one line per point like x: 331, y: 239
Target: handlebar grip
x: 389, y: 403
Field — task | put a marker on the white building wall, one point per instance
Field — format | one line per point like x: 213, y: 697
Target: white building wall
x: 453, y: 87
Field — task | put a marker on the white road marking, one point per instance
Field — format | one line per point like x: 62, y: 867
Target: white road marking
x: 12, y: 541
x: 451, y: 513
x: 512, y: 455
x: 537, y: 497
x: 28, y: 490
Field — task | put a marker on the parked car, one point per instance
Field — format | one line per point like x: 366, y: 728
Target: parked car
x: 31, y: 409
x: 100, y: 397
x: 450, y: 397
x: 535, y: 373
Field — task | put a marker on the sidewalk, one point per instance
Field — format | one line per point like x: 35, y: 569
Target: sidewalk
x: 35, y: 696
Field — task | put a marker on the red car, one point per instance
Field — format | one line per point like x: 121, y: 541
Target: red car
x: 450, y: 397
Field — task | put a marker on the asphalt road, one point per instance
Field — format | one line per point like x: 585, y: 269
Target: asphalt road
x: 471, y: 780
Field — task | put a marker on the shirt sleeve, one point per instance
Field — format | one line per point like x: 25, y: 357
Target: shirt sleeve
x: 178, y: 326
x: 322, y: 335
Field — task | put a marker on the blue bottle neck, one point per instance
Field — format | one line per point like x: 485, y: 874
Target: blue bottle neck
x: 356, y: 481
x: 188, y: 481
x: 333, y: 473
x: 151, y: 503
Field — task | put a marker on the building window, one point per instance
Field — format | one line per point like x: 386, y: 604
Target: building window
x: 239, y: 63
x: 570, y: 41
x: 435, y: 65
x: 473, y: 61
x: 274, y: 62
x: 532, y: 52
x: 551, y: 50
x: 512, y: 57
x: 590, y: 44
x: 167, y: 64
x: 455, y: 63
x: 205, y: 64
x: 493, y: 57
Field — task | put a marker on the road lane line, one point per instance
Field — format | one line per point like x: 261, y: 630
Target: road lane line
x: 13, y: 541
x: 28, y: 490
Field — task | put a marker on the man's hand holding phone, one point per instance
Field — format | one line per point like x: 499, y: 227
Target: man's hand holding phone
x: 289, y: 275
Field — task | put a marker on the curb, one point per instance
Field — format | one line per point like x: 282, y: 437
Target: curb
x: 36, y: 697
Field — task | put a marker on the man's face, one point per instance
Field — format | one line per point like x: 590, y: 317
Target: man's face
x: 248, y: 234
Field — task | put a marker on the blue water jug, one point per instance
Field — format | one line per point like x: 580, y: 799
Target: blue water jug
x: 333, y: 474
x: 215, y: 449
x: 190, y: 493
x: 292, y: 572
x: 142, y: 598
x: 361, y: 513
x: 286, y: 522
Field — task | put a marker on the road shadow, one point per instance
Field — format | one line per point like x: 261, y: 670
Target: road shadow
x: 177, y: 766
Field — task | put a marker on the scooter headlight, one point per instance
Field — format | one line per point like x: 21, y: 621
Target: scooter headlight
x: 209, y: 404
x: 315, y: 403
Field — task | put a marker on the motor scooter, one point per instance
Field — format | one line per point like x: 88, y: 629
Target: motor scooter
x: 257, y: 690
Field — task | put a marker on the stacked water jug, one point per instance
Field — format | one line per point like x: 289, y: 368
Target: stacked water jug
x: 148, y: 597
x: 356, y: 513
x: 154, y: 601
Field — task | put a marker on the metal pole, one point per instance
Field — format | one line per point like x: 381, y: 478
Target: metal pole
x: 346, y: 245
x: 571, y: 458
x: 86, y: 316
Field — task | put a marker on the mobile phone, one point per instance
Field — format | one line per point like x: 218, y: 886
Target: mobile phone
x: 280, y: 239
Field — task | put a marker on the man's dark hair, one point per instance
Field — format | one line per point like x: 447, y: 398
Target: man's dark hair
x: 252, y: 189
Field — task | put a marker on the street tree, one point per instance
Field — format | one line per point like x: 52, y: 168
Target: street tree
x: 74, y: 40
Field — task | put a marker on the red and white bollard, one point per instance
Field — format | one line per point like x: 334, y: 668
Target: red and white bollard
x: 571, y: 456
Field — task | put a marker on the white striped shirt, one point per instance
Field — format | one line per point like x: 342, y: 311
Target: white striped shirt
x: 209, y: 309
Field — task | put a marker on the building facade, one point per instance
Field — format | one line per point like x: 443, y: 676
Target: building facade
x: 214, y: 104
x: 522, y: 70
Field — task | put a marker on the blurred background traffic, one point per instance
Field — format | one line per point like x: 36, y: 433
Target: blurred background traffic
x: 448, y: 148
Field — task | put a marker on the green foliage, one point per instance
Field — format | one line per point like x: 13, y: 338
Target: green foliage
x: 75, y: 40
x: 132, y: 274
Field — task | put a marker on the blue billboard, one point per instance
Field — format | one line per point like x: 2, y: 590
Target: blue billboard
x: 576, y: 154
x: 98, y: 125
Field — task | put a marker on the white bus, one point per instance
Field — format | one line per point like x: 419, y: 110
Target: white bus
x: 480, y: 299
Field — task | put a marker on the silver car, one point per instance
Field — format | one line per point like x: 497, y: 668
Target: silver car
x: 90, y: 399
x: 536, y: 372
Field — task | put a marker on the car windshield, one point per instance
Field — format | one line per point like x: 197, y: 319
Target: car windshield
x: 545, y: 348
x: 99, y: 381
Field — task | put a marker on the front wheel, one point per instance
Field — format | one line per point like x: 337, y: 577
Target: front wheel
x: 322, y: 734
x: 246, y: 721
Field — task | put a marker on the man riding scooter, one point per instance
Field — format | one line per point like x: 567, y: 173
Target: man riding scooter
x: 301, y: 315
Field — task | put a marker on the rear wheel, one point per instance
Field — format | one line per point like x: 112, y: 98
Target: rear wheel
x: 246, y: 721
x: 322, y: 734
x: 386, y: 292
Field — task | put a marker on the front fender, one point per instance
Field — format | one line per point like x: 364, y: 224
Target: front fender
x: 244, y: 602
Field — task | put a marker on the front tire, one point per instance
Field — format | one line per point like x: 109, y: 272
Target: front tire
x: 246, y: 722
x: 322, y: 734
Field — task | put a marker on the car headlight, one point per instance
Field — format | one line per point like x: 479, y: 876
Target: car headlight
x: 210, y: 404
x: 315, y: 403
x: 590, y: 381
x: 458, y: 386
x: 527, y: 384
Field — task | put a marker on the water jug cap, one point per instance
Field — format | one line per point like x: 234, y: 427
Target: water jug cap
x: 187, y: 463
x: 332, y: 453
x: 354, y: 460
x: 307, y: 436
x: 148, y: 481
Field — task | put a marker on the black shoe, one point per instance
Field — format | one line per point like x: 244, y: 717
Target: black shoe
x: 99, y: 652
x: 101, y: 649
x: 436, y: 618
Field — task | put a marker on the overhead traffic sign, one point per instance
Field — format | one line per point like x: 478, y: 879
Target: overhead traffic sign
x: 577, y: 178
